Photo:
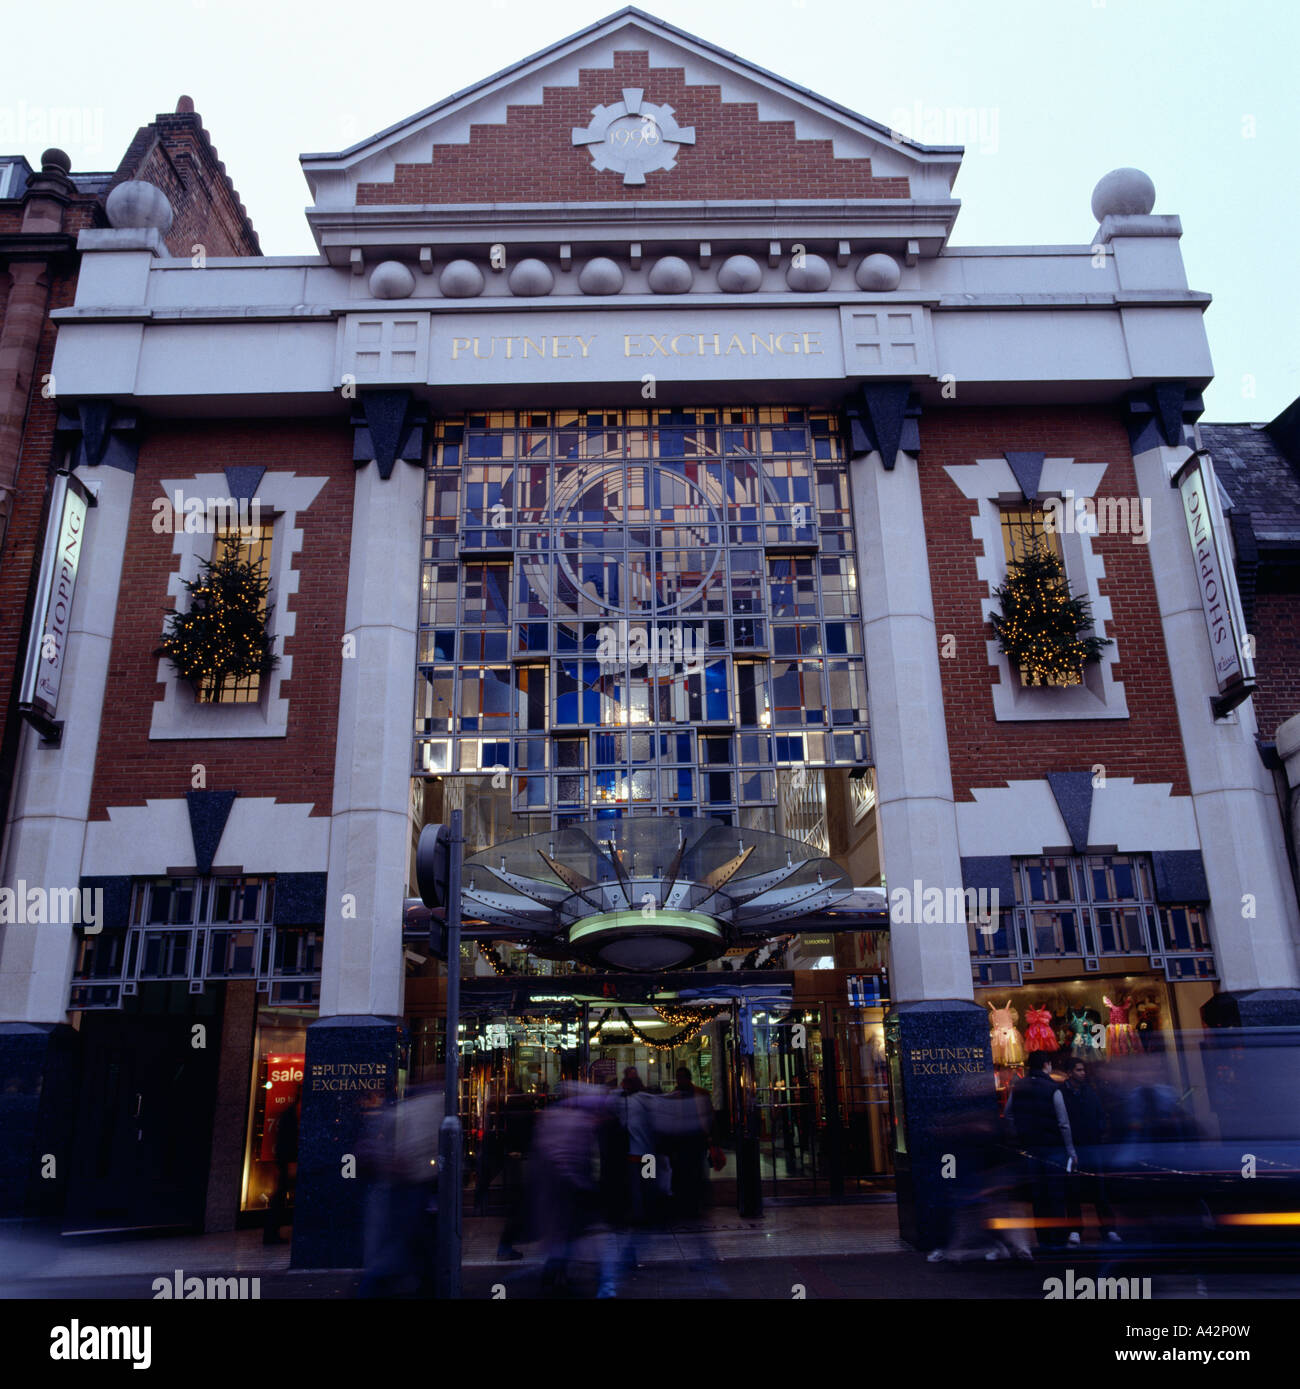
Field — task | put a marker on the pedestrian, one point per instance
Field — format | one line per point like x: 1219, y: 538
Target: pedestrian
x: 399, y: 1154
x: 691, y: 1119
x: 520, y: 1113
x: 1088, y: 1128
x: 286, y: 1155
x: 568, y: 1189
x: 1036, y: 1109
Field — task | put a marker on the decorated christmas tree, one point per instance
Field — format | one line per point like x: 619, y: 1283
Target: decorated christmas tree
x: 1040, y: 627
x: 223, y: 636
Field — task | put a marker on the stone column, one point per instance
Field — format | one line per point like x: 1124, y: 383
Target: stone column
x: 933, y: 1012
x: 43, y: 849
x: 352, y: 1052
x: 1253, y: 916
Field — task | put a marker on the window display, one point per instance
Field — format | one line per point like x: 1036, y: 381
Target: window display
x: 1098, y: 1020
x: 278, y: 1065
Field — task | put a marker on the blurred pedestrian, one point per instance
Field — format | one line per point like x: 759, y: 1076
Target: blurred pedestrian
x: 518, y: 1120
x: 567, y: 1187
x: 690, y: 1115
x: 1036, y: 1110
x: 1088, y: 1128
x: 286, y: 1156
x: 399, y: 1153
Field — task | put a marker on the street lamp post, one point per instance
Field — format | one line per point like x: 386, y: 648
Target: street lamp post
x: 438, y: 872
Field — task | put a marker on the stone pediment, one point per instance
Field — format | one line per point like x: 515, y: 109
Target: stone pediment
x: 630, y: 110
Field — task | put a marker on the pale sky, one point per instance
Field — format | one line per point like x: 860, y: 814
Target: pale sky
x: 1201, y: 94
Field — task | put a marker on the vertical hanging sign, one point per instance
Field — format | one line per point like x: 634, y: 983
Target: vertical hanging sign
x: 1233, y: 668
x: 47, y: 643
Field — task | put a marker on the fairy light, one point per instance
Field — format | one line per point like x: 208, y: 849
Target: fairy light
x: 1039, y: 625
x: 223, y: 636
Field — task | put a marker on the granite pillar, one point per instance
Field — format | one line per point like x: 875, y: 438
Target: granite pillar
x: 40, y: 1081
x: 350, y: 1071
x: 1253, y: 1008
x: 940, y: 1065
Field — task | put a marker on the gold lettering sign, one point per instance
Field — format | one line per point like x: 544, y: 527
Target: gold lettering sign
x: 571, y: 346
x: 350, y: 1075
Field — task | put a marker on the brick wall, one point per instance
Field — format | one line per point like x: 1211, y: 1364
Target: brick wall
x: 1146, y: 746
x: 299, y: 767
x: 176, y: 154
x: 23, y: 539
x: 532, y: 158
x: 1277, y: 660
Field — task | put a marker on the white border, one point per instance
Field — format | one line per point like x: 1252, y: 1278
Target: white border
x: 178, y: 714
x: 991, y: 483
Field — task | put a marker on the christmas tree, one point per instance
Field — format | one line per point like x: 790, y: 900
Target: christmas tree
x: 1040, y: 626
x: 224, y: 634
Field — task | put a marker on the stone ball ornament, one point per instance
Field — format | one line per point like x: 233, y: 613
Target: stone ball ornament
x: 1123, y: 193
x: 461, y: 279
x: 808, y: 273
x: 739, y: 275
x: 390, y: 279
x: 531, y: 278
x: 670, y: 275
x: 139, y: 204
x: 879, y: 272
x: 601, y: 276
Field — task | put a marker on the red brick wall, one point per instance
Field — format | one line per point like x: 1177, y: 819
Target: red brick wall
x: 1277, y: 660
x: 532, y: 158
x: 175, y: 154
x: 23, y: 538
x: 299, y: 767
x: 1147, y: 745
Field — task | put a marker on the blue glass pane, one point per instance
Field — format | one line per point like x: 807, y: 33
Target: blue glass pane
x: 717, y: 707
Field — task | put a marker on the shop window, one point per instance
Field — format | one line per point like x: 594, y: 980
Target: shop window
x: 279, y: 1064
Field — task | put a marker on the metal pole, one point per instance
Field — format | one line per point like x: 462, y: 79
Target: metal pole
x: 450, y: 1144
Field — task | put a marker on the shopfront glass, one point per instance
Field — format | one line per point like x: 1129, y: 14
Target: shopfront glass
x: 279, y: 1054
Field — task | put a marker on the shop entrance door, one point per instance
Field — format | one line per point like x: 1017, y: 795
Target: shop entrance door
x: 144, y: 1126
x: 822, y: 1101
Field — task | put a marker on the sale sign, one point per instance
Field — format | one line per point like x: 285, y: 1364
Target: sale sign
x: 284, y: 1072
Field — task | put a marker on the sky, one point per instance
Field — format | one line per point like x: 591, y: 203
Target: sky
x: 1047, y: 96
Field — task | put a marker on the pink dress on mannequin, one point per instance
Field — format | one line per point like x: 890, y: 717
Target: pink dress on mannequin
x: 1039, y: 1036
x: 1121, y: 1035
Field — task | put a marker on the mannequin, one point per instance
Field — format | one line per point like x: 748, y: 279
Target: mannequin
x: 1121, y: 1037
x: 1083, y: 1045
x: 1039, y: 1035
x: 1008, y: 1045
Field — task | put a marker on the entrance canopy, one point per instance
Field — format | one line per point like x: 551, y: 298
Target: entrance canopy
x: 649, y: 894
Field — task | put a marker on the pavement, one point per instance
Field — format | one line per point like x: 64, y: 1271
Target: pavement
x: 791, y: 1252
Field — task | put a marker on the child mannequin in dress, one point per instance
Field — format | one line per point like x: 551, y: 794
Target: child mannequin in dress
x: 1084, y: 1044
x: 1008, y: 1045
x: 1121, y: 1036
x: 1039, y: 1035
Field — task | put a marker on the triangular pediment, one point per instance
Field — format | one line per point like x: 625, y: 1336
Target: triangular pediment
x: 630, y: 108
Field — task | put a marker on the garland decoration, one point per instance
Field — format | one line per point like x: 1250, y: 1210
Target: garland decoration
x: 678, y: 1039
x: 493, y: 957
x: 1040, y: 625
x: 224, y: 635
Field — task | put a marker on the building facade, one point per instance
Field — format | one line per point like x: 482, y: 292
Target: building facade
x: 637, y: 445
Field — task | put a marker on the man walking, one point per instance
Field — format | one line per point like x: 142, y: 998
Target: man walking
x: 1036, y: 1109
x: 1088, y: 1127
